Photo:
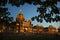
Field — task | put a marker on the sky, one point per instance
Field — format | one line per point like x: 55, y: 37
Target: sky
x: 29, y: 11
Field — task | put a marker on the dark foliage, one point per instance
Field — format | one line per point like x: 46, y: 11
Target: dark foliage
x: 4, y: 17
x: 47, y: 5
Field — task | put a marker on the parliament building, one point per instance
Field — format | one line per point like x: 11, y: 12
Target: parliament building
x: 22, y: 24
x: 26, y: 27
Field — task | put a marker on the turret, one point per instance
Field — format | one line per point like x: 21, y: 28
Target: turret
x: 20, y: 17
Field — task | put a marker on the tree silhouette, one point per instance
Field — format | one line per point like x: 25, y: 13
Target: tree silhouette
x: 45, y: 5
x: 4, y: 18
x: 13, y: 26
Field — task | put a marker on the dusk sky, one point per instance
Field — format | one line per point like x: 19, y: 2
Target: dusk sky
x: 29, y: 11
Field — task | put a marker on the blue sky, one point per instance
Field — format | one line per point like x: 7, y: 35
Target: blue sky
x: 29, y: 11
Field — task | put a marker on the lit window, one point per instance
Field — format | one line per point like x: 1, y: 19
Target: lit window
x: 17, y: 24
x: 0, y: 30
x: 16, y: 31
x: 26, y: 28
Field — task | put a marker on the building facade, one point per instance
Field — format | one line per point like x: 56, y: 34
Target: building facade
x: 26, y: 26
x: 22, y: 24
